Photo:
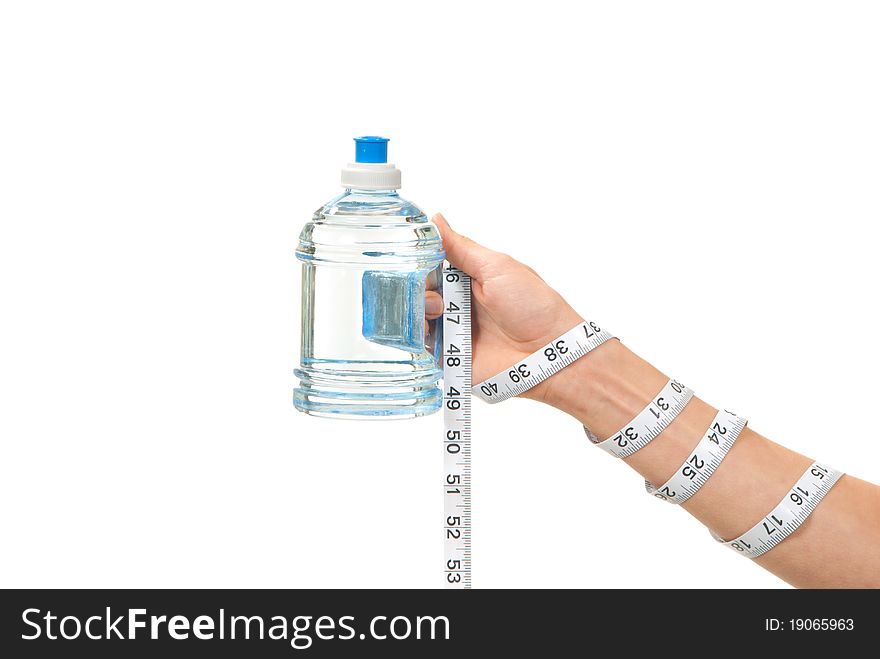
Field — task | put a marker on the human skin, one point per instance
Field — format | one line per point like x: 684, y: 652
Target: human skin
x: 516, y: 313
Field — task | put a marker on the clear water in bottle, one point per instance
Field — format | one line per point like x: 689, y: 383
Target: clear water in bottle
x: 368, y: 259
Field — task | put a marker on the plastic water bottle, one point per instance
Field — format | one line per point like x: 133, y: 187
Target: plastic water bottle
x: 368, y: 258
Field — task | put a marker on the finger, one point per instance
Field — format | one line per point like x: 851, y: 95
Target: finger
x: 462, y: 252
x: 433, y: 305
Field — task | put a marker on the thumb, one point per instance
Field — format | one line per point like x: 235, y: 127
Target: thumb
x: 462, y: 252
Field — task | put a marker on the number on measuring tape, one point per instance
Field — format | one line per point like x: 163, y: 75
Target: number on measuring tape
x: 702, y: 463
x: 785, y: 518
x: 457, y: 428
x: 543, y: 363
x: 649, y: 423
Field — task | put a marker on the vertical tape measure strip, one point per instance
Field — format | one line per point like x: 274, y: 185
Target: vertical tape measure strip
x: 457, y: 372
x: 544, y: 362
x: 786, y: 517
x: 649, y: 423
x: 702, y: 463
x: 457, y: 369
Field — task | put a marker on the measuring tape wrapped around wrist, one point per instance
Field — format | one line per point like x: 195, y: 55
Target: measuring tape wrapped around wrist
x: 544, y: 362
x: 457, y: 370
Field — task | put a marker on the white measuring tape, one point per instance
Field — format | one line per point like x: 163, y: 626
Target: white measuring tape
x: 649, y: 423
x: 716, y: 442
x: 457, y: 368
x: 457, y: 372
x: 702, y: 463
x: 791, y: 512
x: 544, y: 362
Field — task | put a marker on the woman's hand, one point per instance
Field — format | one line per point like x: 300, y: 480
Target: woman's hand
x: 515, y: 311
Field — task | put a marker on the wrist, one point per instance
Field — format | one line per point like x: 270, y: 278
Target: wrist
x: 604, y: 389
x: 608, y: 387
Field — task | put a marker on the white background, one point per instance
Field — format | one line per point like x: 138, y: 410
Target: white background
x: 699, y: 177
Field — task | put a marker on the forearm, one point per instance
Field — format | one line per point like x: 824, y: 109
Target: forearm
x: 837, y: 546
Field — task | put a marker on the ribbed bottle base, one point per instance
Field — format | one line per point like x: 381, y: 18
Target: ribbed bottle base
x: 383, y: 396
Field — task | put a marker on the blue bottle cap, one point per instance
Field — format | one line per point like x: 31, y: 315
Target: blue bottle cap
x: 371, y: 149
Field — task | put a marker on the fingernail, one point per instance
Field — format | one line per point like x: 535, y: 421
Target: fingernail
x: 433, y: 305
